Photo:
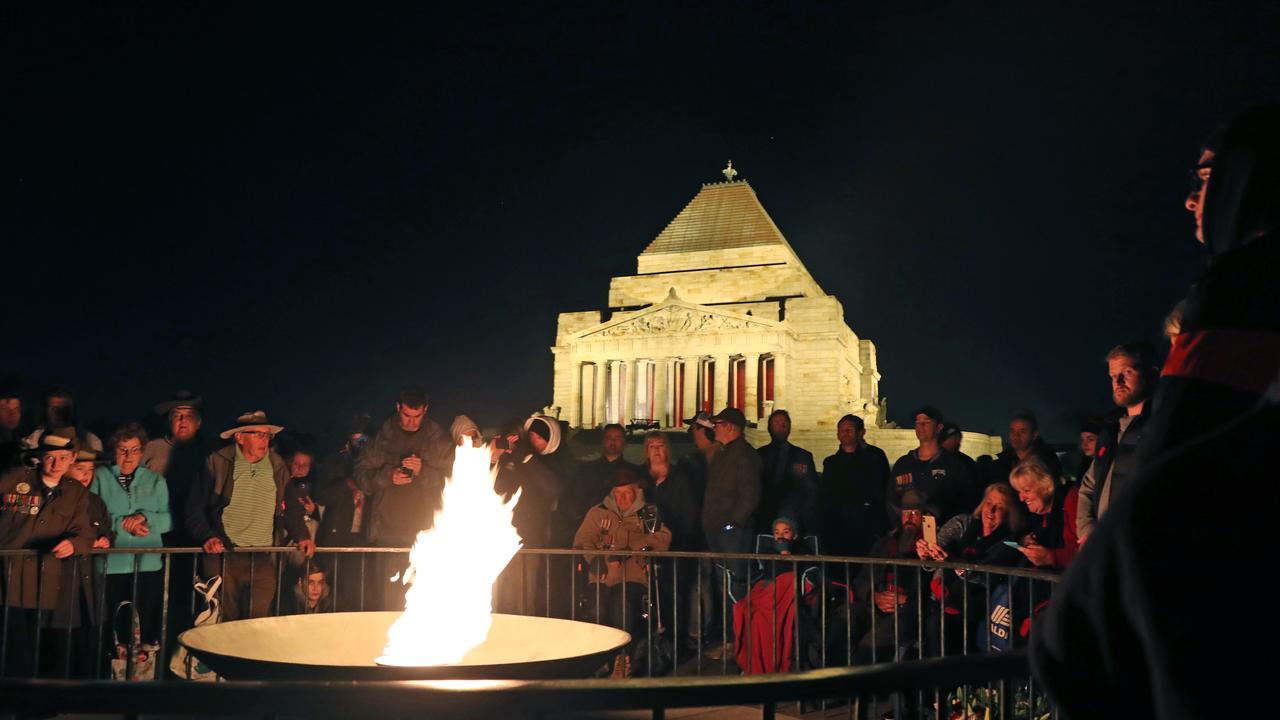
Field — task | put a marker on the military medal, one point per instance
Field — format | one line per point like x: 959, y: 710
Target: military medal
x: 23, y: 488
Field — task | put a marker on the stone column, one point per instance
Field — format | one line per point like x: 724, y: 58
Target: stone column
x: 721, y: 398
x: 602, y: 390
x: 630, y: 383
x: 661, y: 367
x: 575, y: 394
x: 751, y: 399
x: 690, y: 387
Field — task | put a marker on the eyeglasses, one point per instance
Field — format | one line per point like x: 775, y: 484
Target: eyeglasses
x: 256, y: 433
x: 129, y: 452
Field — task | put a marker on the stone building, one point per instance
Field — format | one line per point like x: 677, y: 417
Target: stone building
x: 721, y: 311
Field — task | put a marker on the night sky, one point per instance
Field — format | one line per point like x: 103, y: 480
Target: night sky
x: 301, y: 211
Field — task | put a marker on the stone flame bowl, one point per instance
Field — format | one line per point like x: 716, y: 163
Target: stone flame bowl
x: 344, y: 646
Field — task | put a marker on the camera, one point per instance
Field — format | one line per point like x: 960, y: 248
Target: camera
x: 406, y: 471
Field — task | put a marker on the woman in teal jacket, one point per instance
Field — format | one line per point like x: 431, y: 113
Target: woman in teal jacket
x: 138, y: 501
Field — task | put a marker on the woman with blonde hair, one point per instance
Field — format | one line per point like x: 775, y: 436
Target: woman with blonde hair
x: 1051, y: 541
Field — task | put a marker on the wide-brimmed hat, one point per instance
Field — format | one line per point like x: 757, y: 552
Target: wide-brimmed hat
x: 182, y: 398
x: 252, y: 421
x: 97, y: 457
x: 63, y: 438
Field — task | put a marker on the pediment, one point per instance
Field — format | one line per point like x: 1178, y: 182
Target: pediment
x: 677, y: 317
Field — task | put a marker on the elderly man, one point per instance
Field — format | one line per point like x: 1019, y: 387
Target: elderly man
x: 733, y: 494
x: 623, y: 521
x: 239, y: 501
x: 41, y: 509
x: 402, y: 471
x: 179, y: 457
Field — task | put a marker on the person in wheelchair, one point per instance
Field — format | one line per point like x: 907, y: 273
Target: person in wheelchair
x: 770, y: 612
x: 618, y: 583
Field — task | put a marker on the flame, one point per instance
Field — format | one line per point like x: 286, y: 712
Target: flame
x: 452, y: 568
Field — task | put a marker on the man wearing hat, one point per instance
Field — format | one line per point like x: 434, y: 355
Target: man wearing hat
x: 179, y: 457
x: 239, y: 502
x: 42, y: 509
x: 733, y: 494
x: 937, y: 475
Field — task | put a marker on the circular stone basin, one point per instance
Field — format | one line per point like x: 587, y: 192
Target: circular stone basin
x: 345, y: 646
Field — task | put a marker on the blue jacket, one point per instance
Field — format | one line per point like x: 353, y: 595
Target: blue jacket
x: 147, y: 494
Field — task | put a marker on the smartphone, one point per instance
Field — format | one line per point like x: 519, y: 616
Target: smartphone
x: 930, y: 524
x: 1013, y: 544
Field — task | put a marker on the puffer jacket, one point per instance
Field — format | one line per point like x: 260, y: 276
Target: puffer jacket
x: 626, y: 532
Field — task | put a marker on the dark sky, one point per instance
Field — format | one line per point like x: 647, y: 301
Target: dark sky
x: 300, y: 211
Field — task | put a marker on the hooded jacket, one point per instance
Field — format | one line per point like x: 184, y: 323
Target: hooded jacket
x: 1115, y: 641
x: 626, y: 531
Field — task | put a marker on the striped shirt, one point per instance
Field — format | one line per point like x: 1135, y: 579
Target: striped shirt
x: 250, y: 516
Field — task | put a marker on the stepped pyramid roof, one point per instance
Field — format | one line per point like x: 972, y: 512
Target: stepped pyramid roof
x: 722, y: 216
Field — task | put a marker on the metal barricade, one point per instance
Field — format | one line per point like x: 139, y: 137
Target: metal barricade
x: 800, y: 614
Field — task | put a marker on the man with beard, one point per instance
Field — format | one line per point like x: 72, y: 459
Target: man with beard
x: 403, y: 472
x: 1133, y: 372
x: 179, y: 457
x: 789, y: 480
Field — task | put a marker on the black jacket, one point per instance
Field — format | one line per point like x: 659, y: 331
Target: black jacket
x: 788, y: 486
x: 851, y: 500
x: 400, y: 512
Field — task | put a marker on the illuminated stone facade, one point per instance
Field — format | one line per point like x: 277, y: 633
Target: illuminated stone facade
x: 722, y: 312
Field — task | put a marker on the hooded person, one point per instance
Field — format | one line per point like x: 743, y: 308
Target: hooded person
x: 1115, y: 640
x: 521, y: 467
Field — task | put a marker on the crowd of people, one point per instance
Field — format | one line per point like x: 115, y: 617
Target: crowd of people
x: 63, y: 491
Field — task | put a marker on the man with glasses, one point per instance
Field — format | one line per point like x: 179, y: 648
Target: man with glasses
x: 239, y: 502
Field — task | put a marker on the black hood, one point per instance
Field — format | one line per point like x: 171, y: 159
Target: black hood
x: 1243, y: 198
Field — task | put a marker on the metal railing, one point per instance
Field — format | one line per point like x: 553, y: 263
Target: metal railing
x: 681, y: 622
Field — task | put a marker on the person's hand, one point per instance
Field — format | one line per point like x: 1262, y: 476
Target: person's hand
x: 885, y: 599
x: 1080, y: 542
x: 136, y: 524
x: 399, y: 477
x: 1038, y: 554
x: 308, y: 504
x: 413, y: 462
x: 64, y: 550
x: 214, y: 545
x: 307, y: 547
x: 102, y: 543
